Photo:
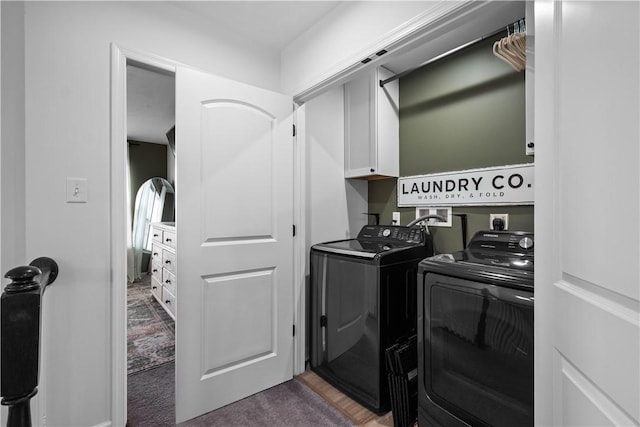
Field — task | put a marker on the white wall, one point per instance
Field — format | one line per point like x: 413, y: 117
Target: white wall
x: 334, y: 205
x: 344, y: 33
x: 67, y: 54
x: 12, y: 152
x: 12, y: 137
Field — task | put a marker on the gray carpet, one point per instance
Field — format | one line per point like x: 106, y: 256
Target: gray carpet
x: 151, y: 403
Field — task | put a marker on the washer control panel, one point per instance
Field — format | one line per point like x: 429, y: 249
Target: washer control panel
x: 392, y: 233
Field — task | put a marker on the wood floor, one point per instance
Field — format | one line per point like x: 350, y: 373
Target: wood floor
x: 359, y: 415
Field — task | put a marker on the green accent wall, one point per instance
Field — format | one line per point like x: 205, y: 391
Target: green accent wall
x: 146, y: 161
x: 464, y: 111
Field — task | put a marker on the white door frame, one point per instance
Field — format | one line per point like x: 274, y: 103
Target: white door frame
x: 119, y: 58
x: 299, y: 240
x: 118, y: 221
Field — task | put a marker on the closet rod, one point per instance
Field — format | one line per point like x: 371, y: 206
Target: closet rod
x: 452, y: 51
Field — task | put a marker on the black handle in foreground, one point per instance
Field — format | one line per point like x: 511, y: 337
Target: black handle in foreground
x: 21, y: 305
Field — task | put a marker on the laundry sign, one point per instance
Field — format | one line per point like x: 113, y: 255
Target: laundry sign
x: 504, y: 185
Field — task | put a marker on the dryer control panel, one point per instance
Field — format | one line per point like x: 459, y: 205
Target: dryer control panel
x: 392, y: 233
x: 503, y: 241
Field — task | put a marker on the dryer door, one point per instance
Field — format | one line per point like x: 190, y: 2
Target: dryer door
x: 478, y: 355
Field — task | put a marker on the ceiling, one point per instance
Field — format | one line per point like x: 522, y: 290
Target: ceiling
x: 255, y: 20
x: 151, y: 95
x: 150, y: 105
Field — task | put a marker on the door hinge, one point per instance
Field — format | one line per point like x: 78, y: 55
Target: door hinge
x: 323, y: 321
x: 294, y: 230
x: 294, y: 330
x: 294, y: 130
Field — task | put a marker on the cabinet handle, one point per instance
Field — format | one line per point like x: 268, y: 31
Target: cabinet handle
x: 167, y: 281
x: 154, y: 287
x: 373, y: 170
x: 155, y: 270
x: 155, y: 254
x: 167, y: 262
x: 156, y: 235
x: 167, y: 240
x: 168, y: 302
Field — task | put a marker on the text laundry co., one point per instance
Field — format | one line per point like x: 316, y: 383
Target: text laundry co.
x: 501, y: 185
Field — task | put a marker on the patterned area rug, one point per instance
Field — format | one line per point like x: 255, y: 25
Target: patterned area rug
x: 150, y: 330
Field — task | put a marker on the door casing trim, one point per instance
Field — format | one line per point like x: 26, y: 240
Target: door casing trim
x: 118, y: 219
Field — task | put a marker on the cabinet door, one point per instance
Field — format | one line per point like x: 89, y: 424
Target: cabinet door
x: 372, y: 126
x: 387, y: 122
x: 359, y: 147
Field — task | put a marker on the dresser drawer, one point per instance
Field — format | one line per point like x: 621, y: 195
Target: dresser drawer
x: 157, y: 235
x: 156, y: 288
x: 169, y: 281
x: 156, y: 269
x: 156, y: 253
x: 169, y: 301
x: 169, y: 261
x: 169, y: 239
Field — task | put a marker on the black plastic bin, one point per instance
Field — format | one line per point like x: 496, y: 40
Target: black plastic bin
x: 402, y: 374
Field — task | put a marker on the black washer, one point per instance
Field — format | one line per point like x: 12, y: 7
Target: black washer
x: 363, y: 299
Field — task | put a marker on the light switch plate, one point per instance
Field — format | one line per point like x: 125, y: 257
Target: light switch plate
x: 77, y: 190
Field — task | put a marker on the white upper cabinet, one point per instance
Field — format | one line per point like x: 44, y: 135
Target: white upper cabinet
x: 372, y: 126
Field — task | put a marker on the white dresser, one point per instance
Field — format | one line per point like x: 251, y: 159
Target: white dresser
x: 163, y: 265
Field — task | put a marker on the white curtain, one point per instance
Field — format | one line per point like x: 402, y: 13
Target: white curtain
x: 149, y: 205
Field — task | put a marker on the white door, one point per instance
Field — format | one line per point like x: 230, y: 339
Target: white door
x: 587, y: 213
x: 234, y: 179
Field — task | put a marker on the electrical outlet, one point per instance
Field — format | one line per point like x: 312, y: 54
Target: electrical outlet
x: 395, y: 218
x: 503, y: 217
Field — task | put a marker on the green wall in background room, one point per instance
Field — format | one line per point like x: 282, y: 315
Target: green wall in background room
x: 464, y: 111
x: 146, y: 160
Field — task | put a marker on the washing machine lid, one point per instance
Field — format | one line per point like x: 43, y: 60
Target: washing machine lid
x: 359, y: 248
x: 376, y: 240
